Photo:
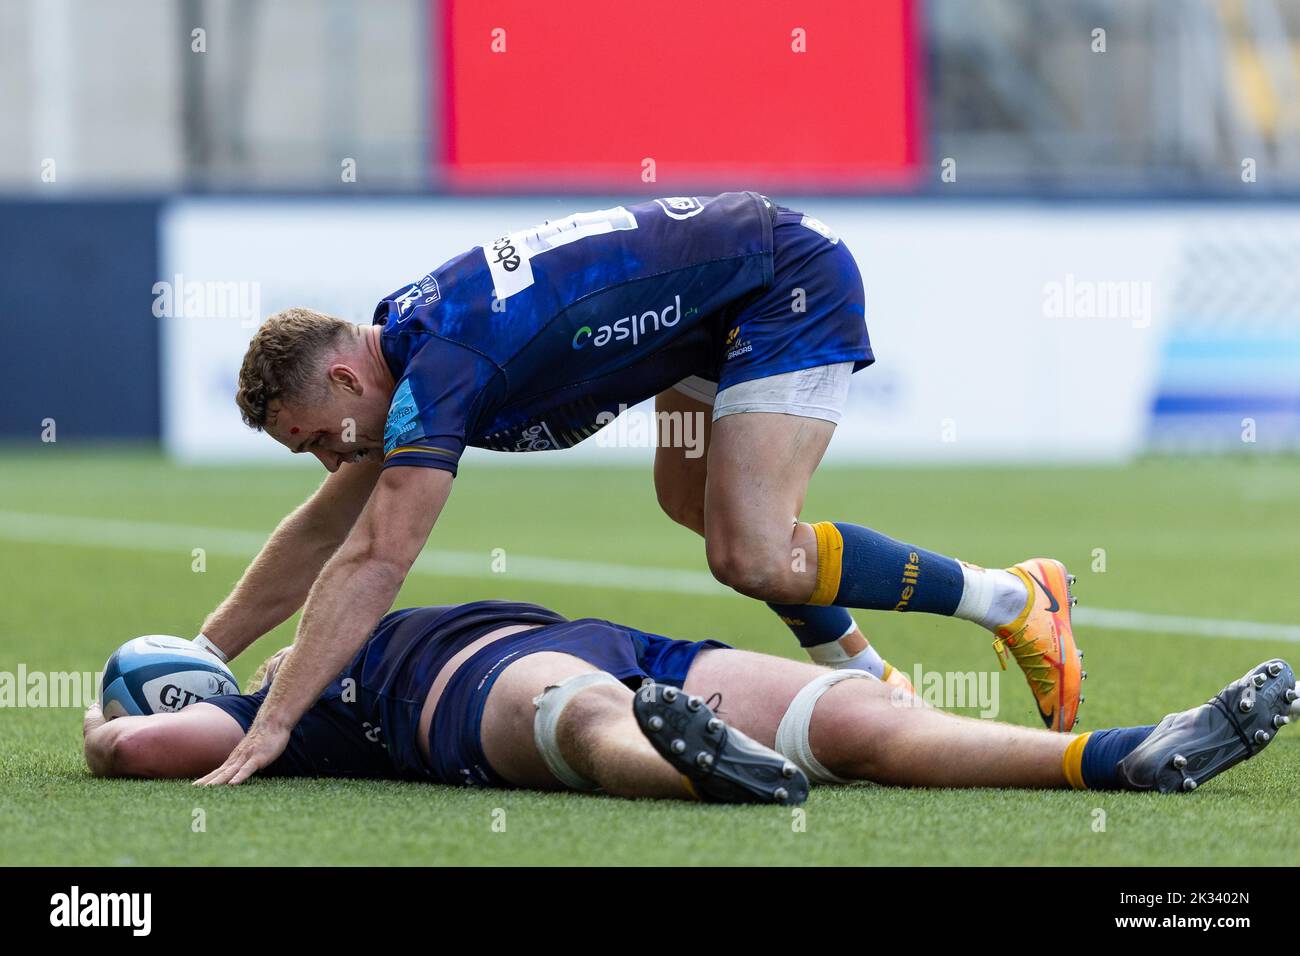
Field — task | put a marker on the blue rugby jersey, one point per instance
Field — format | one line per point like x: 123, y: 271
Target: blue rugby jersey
x: 534, y: 340
x: 366, y: 722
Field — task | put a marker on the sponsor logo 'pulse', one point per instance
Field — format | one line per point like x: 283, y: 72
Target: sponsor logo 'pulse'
x: 630, y: 326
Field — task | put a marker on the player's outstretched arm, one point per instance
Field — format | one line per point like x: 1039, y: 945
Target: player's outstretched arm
x: 356, y: 587
x: 276, y: 584
x: 182, y: 744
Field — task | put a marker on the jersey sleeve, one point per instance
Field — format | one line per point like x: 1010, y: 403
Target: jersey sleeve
x: 435, y: 405
x: 244, y: 707
x: 327, y: 741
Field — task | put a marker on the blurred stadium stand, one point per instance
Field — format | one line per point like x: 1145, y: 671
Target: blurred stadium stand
x: 1015, y: 91
x: 283, y: 90
x: 1184, y: 91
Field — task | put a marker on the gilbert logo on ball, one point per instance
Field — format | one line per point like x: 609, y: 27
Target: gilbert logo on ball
x: 159, y: 673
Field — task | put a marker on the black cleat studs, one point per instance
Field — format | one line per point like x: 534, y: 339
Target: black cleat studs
x: 1274, y: 669
x: 1188, y: 749
x: 722, y: 764
x: 1070, y: 579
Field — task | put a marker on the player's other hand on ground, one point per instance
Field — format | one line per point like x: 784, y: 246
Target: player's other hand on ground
x: 258, y: 750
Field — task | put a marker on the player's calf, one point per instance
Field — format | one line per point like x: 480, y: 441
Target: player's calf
x: 680, y: 477
x: 683, y: 506
x: 569, y: 724
x: 585, y: 734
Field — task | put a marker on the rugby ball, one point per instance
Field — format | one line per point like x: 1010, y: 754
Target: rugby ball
x: 158, y: 674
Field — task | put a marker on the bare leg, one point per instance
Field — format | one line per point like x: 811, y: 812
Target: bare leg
x: 597, y: 734
x: 679, y: 480
x: 759, y: 468
x: 680, y: 483
x: 866, y: 730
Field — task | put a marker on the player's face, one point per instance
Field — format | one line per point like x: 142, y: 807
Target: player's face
x: 344, y: 428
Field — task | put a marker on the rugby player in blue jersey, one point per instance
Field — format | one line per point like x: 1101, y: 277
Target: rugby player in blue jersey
x: 513, y: 695
x: 731, y: 307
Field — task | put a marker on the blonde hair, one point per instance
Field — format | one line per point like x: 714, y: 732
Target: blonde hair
x: 283, y: 361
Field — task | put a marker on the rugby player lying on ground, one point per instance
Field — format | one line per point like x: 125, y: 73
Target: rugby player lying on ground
x: 501, y: 694
x: 731, y: 310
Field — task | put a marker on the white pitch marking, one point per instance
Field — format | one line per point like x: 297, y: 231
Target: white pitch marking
x: 156, y: 536
x: 225, y: 542
x: 1108, y: 618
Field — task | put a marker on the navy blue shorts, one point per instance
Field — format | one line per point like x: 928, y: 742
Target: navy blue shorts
x: 455, y: 747
x: 813, y: 313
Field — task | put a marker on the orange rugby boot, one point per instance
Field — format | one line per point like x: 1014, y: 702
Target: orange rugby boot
x: 1041, y: 640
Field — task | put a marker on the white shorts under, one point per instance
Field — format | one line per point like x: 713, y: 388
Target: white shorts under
x: 819, y: 392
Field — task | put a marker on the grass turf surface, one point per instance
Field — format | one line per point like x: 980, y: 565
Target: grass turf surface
x: 1196, y: 538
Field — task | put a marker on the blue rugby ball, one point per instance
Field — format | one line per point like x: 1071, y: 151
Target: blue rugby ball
x: 158, y: 674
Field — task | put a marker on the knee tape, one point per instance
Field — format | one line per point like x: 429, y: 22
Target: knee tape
x: 550, y: 704
x: 792, y: 732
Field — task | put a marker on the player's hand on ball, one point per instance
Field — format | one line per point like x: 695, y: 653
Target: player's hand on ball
x: 255, y: 752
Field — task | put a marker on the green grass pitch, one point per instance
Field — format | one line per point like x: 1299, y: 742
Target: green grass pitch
x: 1207, y: 539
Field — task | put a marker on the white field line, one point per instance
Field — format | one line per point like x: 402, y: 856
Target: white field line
x: 232, y: 543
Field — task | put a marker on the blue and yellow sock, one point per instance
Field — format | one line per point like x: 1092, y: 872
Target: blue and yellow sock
x: 813, y: 625
x: 858, y: 567
x: 1091, y: 761
x: 824, y: 633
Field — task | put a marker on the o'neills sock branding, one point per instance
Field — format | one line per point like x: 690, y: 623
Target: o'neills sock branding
x: 911, y: 573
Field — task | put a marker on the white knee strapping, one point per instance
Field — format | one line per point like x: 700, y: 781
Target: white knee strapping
x: 792, y: 733
x: 550, y: 704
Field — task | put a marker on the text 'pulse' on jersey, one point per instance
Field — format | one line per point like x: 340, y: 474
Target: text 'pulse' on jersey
x: 534, y: 340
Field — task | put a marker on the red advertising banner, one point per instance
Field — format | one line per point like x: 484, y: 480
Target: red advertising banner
x: 610, y: 94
